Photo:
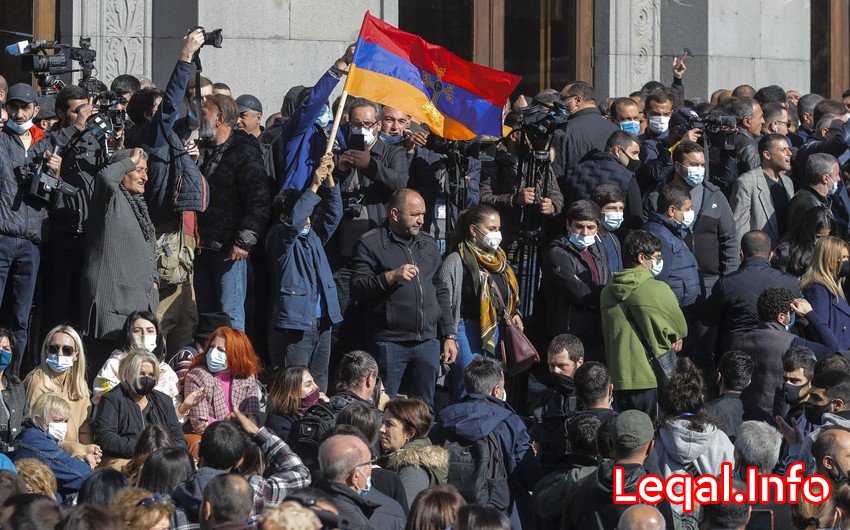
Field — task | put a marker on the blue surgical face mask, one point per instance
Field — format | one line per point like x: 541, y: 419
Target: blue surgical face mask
x: 581, y: 242
x: 19, y: 129
x: 5, y: 359
x: 630, y: 126
x: 192, y: 115
x: 59, y: 363
x: 391, y: 140
x: 216, y: 360
x: 695, y: 176
x: 613, y: 220
x: 325, y: 117
x: 793, y: 321
x: 304, y: 231
x: 368, y: 488
x: 657, y: 267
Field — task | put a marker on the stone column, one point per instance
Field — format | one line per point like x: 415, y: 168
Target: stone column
x: 120, y: 32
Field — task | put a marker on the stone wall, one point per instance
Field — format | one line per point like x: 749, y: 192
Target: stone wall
x: 732, y: 42
x: 269, y: 45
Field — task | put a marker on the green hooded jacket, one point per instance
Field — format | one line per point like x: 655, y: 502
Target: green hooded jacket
x: 656, y: 311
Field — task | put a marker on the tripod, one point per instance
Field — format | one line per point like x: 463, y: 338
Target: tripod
x: 455, y: 189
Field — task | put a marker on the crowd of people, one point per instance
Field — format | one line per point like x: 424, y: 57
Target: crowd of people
x: 246, y: 328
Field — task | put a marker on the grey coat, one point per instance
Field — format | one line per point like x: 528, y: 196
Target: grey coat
x: 119, y: 269
x: 752, y: 206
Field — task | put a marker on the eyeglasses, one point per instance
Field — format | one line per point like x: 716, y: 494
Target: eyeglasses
x: 56, y: 348
x: 365, y: 124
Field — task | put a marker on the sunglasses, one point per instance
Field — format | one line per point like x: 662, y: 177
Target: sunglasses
x: 150, y: 502
x: 56, y: 348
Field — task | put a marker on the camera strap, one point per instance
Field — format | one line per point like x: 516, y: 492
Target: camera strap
x: 198, y: 106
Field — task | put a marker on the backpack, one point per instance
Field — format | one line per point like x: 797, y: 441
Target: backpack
x: 309, y: 431
x: 477, y: 470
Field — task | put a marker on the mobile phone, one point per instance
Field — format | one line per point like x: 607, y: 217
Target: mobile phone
x: 357, y: 142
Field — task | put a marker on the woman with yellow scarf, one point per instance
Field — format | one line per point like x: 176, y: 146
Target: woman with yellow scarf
x: 481, y: 282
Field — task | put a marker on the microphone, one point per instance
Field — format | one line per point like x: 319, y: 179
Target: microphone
x: 24, y: 47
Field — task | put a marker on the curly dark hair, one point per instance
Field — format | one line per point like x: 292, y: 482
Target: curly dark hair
x: 684, y: 397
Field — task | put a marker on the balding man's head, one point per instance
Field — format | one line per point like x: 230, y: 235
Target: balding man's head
x: 756, y: 243
x: 832, y: 453
x: 641, y: 517
x: 343, y: 459
x: 406, y: 212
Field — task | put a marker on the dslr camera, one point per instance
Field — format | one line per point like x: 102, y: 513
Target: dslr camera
x: 211, y: 38
x: 106, y: 103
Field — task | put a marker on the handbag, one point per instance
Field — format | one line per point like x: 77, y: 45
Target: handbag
x: 662, y: 365
x: 518, y: 353
x: 174, y: 258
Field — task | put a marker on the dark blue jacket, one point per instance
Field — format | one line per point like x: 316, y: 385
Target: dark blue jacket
x: 651, y: 144
x: 733, y: 300
x: 303, y: 142
x: 597, y: 168
x: 680, y: 270
x: 300, y: 263
x: 832, y: 310
x: 20, y: 216
x: 836, y: 146
x: 175, y: 183
x: 35, y: 443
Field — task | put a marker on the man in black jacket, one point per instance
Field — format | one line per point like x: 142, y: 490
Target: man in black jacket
x: 238, y: 210
x: 586, y: 129
x: 822, y: 182
x: 750, y: 120
x: 406, y: 305
x: 589, y: 505
x: 617, y: 166
x: 732, y: 302
x: 734, y: 371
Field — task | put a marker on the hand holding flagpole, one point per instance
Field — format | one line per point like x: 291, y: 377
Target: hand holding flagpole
x: 344, y: 63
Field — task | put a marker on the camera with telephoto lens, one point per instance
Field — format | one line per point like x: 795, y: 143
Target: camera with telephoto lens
x: 211, y: 38
x: 39, y: 62
x: 539, y: 122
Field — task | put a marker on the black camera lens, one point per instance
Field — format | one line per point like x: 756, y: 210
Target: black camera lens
x: 42, y: 63
x: 213, y: 38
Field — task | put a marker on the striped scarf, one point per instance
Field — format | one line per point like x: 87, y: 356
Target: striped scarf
x: 486, y: 264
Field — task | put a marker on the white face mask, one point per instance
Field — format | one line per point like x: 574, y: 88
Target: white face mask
x: 148, y: 342
x: 688, y: 219
x: 504, y: 395
x: 658, y: 124
x: 695, y: 175
x: 492, y: 239
x: 368, y: 134
x: 58, y: 430
x: 657, y: 265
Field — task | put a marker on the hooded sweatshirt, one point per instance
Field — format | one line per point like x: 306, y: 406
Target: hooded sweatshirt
x: 189, y: 494
x: 803, y: 452
x: 655, y: 309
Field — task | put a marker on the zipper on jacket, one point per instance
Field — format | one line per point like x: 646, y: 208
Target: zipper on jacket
x: 421, y: 314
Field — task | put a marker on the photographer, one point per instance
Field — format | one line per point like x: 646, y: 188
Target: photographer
x: 501, y: 186
x: 750, y: 118
x: 22, y: 145
x: 186, y: 127
x: 445, y: 193
x: 63, y: 247
x: 175, y: 191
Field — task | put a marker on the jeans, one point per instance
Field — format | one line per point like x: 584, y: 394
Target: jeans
x: 19, y: 259
x: 221, y: 284
x: 468, y: 346
x: 422, y: 359
x: 294, y: 347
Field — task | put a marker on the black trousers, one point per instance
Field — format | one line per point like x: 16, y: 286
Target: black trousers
x: 643, y: 400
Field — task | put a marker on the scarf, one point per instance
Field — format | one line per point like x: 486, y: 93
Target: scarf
x: 140, y: 210
x: 486, y: 264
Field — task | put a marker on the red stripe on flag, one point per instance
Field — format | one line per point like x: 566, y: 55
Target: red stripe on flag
x: 493, y: 85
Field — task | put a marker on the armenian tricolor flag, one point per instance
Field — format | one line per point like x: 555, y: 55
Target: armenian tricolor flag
x: 457, y: 99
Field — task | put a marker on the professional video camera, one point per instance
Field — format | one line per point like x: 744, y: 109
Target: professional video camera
x: 34, y: 57
x: 539, y: 122
x: 106, y: 105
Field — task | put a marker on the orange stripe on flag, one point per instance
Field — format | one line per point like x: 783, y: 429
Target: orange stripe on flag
x: 390, y: 91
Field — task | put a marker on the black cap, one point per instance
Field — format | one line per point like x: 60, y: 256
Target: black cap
x: 46, y: 107
x: 248, y: 102
x: 208, y: 323
x: 22, y: 92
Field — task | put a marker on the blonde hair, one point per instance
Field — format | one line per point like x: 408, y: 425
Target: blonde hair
x: 46, y: 405
x: 808, y: 516
x: 38, y: 476
x: 130, y: 364
x: 136, y: 516
x: 75, y: 383
x: 826, y: 262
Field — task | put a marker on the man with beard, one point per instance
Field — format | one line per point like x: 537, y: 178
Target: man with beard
x: 564, y: 355
x: 237, y: 213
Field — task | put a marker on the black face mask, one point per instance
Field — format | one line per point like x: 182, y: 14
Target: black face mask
x: 791, y: 393
x: 634, y: 164
x: 563, y: 384
x: 844, y: 271
x: 814, y: 413
x: 145, y: 386
x: 837, y: 475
